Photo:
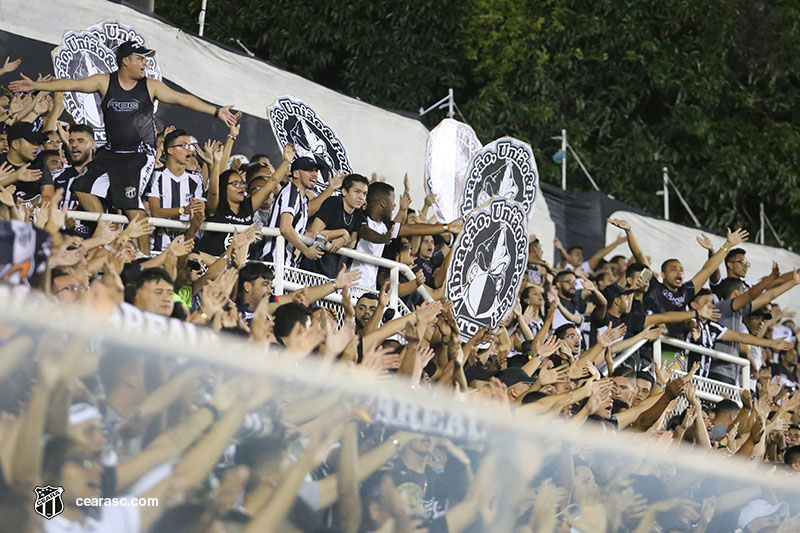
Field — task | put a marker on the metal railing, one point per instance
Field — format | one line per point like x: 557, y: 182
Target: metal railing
x: 285, y: 277
x: 707, y: 389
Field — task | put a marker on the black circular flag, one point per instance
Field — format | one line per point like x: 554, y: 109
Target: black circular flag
x: 294, y: 121
x: 488, y: 263
x: 505, y: 168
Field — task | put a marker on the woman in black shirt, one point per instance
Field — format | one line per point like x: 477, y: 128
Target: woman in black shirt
x: 229, y: 203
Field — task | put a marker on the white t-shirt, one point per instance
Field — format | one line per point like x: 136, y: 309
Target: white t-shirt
x: 369, y: 273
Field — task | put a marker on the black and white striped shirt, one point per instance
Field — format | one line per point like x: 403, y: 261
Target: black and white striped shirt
x: 63, y: 179
x: 289, y: 200
x: 174, y: 191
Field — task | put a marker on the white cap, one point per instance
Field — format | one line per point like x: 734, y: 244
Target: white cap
x: 81, y: 412
x: 758, y: 509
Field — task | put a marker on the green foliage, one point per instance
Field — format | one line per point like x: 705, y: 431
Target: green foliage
x: 708, y: 89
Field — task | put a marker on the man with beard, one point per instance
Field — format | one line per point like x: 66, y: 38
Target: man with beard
x: 80, y: 153
x: 338, y: 220
x: 571, y: 303
x: 366, y: 307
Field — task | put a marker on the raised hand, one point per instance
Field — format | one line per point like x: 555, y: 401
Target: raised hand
x: 548, y: 376
x: 430, y: 199
x: 302, y: 341
x: 226, y: 116
x: 427, y: 312
x: 405, y: 202
x: 612, y: 334
x: 708, y: 312
x: 180, y: 247
x: 548, y: 347
x: 347, y: 279
x: 456, y: 226
x: 137, y: 227
x: 423, y: 355
x: 7, y: 195
x: 21, y: 86
x: 9, y: 66
x: 736, y: 237
x: 624, y: 225
x: 781, y: 345
x: 27, y: 174
x: 705, y: 242
x: 289, y: 152
x: 335, y: 181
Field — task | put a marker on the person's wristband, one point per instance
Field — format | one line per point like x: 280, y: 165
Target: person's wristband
x: 660, y: 385
x: 232, y: 137
x: 214, y: 410
x: 445, y: 227
x: 205, y: 317
x: 696, y: 315
x: 181, y: 210
x: 725, y: 248
x: 216, y: 111
x: 335, y: 286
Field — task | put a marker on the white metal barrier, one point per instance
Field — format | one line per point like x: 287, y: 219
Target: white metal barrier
x: 285, y: 277
x: 707, y: 389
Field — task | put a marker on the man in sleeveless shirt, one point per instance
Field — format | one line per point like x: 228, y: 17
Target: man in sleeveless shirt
x: 121, y: 171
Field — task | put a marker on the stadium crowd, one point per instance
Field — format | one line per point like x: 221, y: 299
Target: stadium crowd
x: 228, y: 451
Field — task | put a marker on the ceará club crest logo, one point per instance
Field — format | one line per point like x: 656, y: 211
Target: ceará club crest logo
x: 506, y: 168
x: 294, y: 121
x: 488, y: 262
x: 48, y: 501
x: 89, y: 52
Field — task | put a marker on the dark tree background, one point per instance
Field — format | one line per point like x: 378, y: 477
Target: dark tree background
x: 708, y: 89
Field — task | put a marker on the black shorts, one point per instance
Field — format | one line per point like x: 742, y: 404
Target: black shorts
x: 120, y: 178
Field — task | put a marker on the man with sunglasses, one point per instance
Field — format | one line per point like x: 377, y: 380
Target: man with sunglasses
x: 175, y: 191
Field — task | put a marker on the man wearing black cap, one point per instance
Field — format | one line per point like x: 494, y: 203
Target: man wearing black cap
x: 30, y: 176
x: 290, y: 213
x: 122, y: 171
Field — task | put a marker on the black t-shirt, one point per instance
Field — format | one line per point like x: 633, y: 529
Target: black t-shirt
x: 660, y: 299
x: 429, y: 266
x: 332, y: 213
x: 29, y: 189
x: 419, y: 494
x: 128, y: 115
x: 214, y: 242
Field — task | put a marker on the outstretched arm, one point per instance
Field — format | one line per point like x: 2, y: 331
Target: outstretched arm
x: 93, y: 84
x: 258, y: 197
x: 161, y: 92
x: 774, y: 292
x: 712, y: 264
x: 602, y: 252
x: 633, y: 244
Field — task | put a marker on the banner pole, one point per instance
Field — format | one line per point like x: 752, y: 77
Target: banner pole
x: 665, y: 171
x: 450, y: 103
x: 564, y: 161
x: 202, y: 18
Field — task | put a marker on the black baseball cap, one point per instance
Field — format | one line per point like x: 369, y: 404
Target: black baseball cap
x: 305, y: 163
x: 132, y: 47
x: 512, y: 376
x: 24, y: 130
x: 614, y: 291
